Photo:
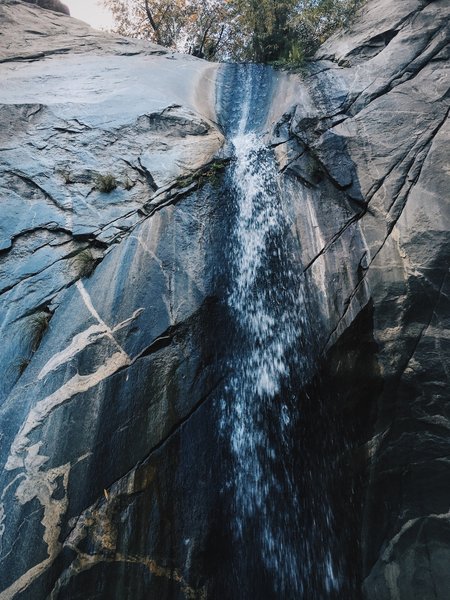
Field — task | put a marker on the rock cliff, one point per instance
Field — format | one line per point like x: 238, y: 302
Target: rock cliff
x: 380, y: 132
x: 118, y: 339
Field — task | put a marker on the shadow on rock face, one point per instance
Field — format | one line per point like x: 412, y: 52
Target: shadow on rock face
x: 55, y: 5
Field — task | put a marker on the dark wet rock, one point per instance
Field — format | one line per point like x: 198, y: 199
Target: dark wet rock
x: 112, y: 469
x: 387, y: 82
x: 125, y: 276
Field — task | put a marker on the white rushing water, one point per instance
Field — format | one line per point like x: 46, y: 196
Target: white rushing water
x: 268, y: 306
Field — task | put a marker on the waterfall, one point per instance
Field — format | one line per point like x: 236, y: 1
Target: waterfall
x: 272, y: 360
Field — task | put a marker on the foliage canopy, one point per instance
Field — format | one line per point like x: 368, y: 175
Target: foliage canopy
x: 241, y: 30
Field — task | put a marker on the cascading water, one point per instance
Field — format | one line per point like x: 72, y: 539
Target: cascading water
x: 272, y: 360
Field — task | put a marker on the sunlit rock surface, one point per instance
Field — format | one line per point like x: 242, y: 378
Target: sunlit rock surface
x: 77, y: 106
x: 112, y: 476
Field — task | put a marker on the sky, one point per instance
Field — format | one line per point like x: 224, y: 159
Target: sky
x: 90, y: 11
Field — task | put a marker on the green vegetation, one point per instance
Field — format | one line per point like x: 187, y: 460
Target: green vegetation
x: 67, y: 176
x: 84, y: 263
x: 106, y: 183
x: 283, y: 32
x: 210, y: 173
x: 128, y: 184
x: 22, y: 364
x: 34, y: 328
x: 294, y: 61
x: 37, y: 326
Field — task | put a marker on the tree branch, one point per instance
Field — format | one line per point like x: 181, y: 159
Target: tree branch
x: 216, y: 46
x: 152, y: 21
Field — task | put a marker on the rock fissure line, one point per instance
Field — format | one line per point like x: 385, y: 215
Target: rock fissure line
x: 66, y: 257
x: 167, y: 508
x: 84, y: 562
x: 35, y: 186
x: 176, y: 428
x: 425, y: 326
x: 402, y: 196
x: 390, y: 228
x: 25, y: 233
x: 334, y: 239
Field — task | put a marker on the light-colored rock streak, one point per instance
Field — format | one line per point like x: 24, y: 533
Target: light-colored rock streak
x: 41, y: 484
x: 2, y: 525
x: 81, y: 341
x: 78, y: 343
x: 98, y: 523
x: 388, y: 554
x: 89, y: 305
x: 167, y: 276
x: 76, y: 385
x: 84, y: 562
x: 26, y: 579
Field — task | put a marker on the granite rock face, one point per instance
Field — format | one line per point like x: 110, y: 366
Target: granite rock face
x: 377, y: 129
x: 114, y: 233
x: 101, y: 139
x: 55, y: 5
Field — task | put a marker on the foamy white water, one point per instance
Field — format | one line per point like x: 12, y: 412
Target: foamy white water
x: 268, y: 306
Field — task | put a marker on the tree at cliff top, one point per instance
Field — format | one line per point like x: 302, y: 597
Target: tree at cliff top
x: 199, y: 27
x: 254, y: 30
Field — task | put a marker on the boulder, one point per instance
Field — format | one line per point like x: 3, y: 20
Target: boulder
x: 54, y: 5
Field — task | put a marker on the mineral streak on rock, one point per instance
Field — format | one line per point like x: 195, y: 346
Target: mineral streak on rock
x: 113, y: 482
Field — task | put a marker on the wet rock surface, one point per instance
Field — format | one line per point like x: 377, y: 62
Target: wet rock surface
x: 116, y: 334
x: 109, y: 239
x: 378, y: 133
